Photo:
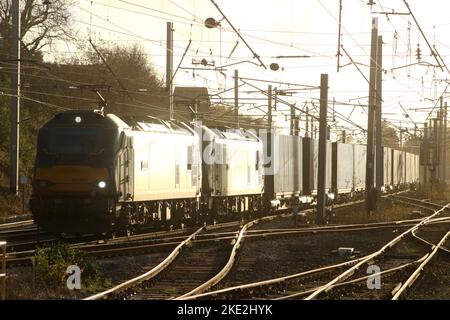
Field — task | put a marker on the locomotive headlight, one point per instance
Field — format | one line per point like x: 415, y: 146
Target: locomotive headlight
x: 78, y: 119
x: 101, y: 184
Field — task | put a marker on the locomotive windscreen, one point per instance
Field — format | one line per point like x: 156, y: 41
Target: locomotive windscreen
x: 71, y: 146
x: 75, y: 140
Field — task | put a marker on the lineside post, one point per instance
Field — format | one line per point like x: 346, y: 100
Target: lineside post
x: 444, y: 146
x: 425, y: 155
x: 169, y: 67
x: 370, y: 160
x: 321, y: 174
x: 3, y: 272
x: 236, y: 98
x: 15, y: 97
x: 269, y: 163
x: 378, y: 134
x: 441, y: 141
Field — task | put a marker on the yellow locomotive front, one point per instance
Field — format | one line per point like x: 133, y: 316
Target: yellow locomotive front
x: 74, y: 185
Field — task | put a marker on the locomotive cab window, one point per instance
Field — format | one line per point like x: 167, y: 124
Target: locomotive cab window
x: 257, y: 161
x: 190, y: 157
x: 69, y: 145
x: 75, y: 141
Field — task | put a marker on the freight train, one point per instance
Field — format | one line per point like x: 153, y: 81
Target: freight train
x: 100, y: 173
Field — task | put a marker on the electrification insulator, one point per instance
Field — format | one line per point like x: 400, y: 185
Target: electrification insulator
x: 418, y: 53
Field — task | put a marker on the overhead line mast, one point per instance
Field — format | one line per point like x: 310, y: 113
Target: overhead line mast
x: 15, y: 97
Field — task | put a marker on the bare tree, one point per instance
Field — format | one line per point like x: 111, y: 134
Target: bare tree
x: 389, y: 135
x: 42, y: 22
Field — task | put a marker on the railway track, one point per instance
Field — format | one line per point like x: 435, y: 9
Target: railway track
x: 162, y: 241
x: 24, y: 235
x: 165, y: 241
x: 194, y: 265
x: 10, y: 225
x: 23, y: 241
x: 400, y: 261
x: 348, y: 279
x: 202, y: 256
x: 196, y: 268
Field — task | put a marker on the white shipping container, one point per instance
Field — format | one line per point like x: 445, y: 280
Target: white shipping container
x: 316, y: 166
x: 344, y: 174
x: 387, y: 166
x: 359, y: 172
x: 287, y: 155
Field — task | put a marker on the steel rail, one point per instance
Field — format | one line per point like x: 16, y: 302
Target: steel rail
x: 422, y: 201
x: 148, y: 275
x: 229, y: 265
x: 341, y: 226
x: 273, y: 281
x: 388, y: 271
x: 226, y: 269
x: 142, y: 245
x: 311, y: 272
x: 352, y: 270
x: 414, y: 203
x: 301, y: 274
x: 21, y: 257
x: 15, y: 224
x: 428, y: 242
x: 422, y: 260
x: 197, y: 292
x: 356, y: 228
x: 410, y: 281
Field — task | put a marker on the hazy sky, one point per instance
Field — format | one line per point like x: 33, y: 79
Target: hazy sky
x: 287, y: 27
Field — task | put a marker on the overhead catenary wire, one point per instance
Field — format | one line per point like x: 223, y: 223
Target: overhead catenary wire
x: 433, y: 51
x: 213, y: 82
